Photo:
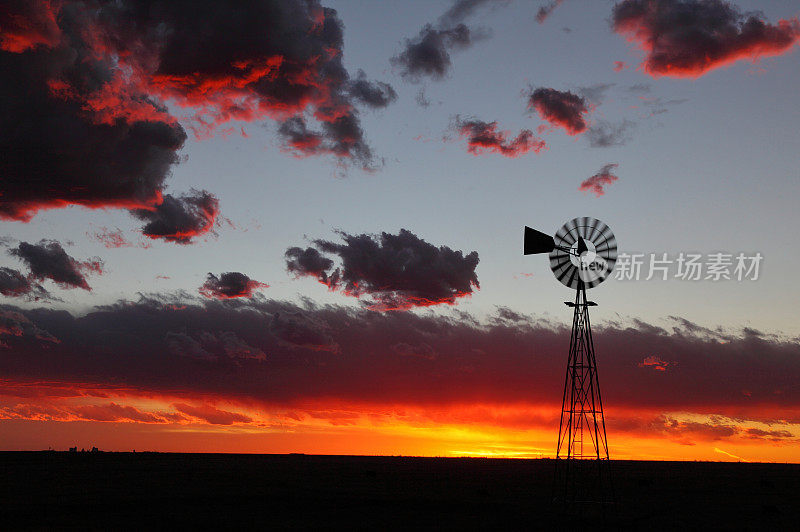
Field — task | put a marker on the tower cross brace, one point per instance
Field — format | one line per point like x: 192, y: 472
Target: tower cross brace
x: 582, y: 452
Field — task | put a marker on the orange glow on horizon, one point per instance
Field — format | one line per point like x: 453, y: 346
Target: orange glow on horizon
x: 36, y: 416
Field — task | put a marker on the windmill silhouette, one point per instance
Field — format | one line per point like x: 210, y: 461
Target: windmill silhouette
x: 582, y: 255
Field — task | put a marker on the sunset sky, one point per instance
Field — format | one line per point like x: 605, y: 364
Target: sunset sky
x: 293, y: 226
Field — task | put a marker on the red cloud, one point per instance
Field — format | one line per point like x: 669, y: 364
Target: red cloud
x: 601, y: 179
x: 92, y: 83
x: 279, y: 353
x: 180, y: 219
x: 560, y: 108
x: 654, y: 362
x: 212, y: 415
x: 619, y: 66
x: 284, y: 61
x: 692, y: 37
x: 26, y: 24
x: 484, y: 136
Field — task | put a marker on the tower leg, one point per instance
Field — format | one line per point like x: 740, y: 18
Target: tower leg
x: 582, y: 459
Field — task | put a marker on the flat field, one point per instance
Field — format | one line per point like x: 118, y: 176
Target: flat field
x: 59, y: 490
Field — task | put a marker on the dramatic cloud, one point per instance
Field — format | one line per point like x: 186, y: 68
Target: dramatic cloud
x: 397, y: 271
x: 428, y: 54
x: 86, y: 122
x: 484, y: 136
x: 260, y: 59
x: 48, y: 260
x: 282, y: 353
x: 27, y: 24
x: 546, y: 10
x: 691, y: 37
x: 57, y: 150
x: 560, y: 108
x: 601, y: 179
x: 180, y: 219
x: 230, y: 285
x: 603, y: 134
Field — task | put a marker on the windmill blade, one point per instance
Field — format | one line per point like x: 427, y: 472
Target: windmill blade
x: 566, y: 259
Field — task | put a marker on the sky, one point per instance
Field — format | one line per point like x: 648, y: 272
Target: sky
x: 297, y: 226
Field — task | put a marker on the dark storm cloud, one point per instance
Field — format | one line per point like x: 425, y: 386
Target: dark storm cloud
x: 546, y: 10
x: 260, y: 59
x: 560, y: 108
x: 331, y: 352
x: 398, y: 271
x: 230, y: 285
x: 604, y: 134
x: 48, y: 260
x: 370, y: 93
x: 27, y: 24
x: 428, y: 54
x: 597, y: 183
x: 57, y: 150
x: 180, y: 219
x: 691, y: 37
x: 85, y: 121
x: 484, y: 137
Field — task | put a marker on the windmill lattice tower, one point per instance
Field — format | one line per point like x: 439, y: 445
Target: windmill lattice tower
x: 582, y: 255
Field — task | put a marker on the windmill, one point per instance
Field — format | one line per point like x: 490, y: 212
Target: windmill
x: 582, y: 255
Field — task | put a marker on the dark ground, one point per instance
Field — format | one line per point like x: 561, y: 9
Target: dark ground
x: 49, y: 490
